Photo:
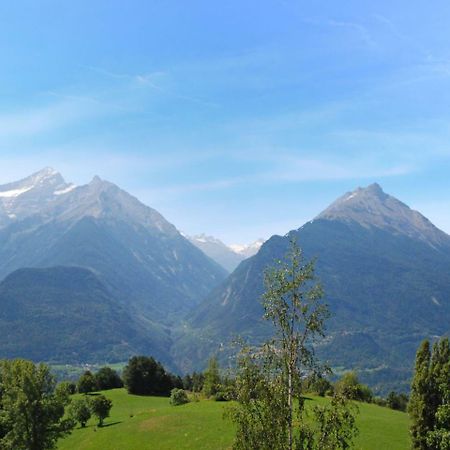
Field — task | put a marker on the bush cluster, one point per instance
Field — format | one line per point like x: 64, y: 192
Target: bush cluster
x: 105, y: 379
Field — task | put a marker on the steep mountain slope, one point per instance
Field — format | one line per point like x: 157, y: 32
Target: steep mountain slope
x: 217, y: 251
x: 386, y: 274
x: 65, y: 314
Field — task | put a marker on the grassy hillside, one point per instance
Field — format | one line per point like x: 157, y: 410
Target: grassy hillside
x: 151, y: 423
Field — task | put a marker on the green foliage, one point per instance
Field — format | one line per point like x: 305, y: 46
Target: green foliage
x: 31, y: 411
x: 79, y: 411
x: 86, y: 383
x: 318, y: 384
x: 187, y: 382
x: 100, y: 407
x: 178, y: 397
x: 429, y: 405
x: 350, y: 387
x: 145, y: 376
x: 336, y: 425
x: 261, y: 413
x: 107, y: 378
x: 421, y: 403
x: 211, y: 384
x: 397, y: 401
x: 197, y: 381
x: 270, y: 410
x: 67, y: 387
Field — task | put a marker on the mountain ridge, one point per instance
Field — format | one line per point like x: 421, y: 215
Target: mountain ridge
x: 371, y: 206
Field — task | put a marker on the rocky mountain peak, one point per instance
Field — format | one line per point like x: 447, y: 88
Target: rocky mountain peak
x: 38, y: 180
x: 372, y: 207
x: 29, y: 195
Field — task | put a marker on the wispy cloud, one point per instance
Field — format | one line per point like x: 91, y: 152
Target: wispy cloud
x: 360, y: 30
x: 160, y: 81
x: 287, y: 169
x: 54, y: 115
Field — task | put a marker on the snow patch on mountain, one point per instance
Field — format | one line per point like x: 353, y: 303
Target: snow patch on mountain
x: 69, y: 188
x: 15, y: 192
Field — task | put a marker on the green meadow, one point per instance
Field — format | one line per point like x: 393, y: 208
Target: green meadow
x: 140, y: 423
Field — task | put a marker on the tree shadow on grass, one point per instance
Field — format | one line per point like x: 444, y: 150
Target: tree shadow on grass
x: 105, y: 425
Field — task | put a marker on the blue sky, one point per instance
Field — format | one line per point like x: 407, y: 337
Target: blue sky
x: 241, y: 119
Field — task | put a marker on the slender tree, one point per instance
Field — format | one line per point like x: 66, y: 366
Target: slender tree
x: 211, y: 384
x: 269, y: 379
x: 292, y: 302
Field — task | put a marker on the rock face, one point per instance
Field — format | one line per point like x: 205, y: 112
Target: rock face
x: 386, y: 273
x: 371, y: 207
x: 147, y: 265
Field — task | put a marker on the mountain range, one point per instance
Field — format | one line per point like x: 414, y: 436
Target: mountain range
x: 90, y: 274
x: 228, y: 256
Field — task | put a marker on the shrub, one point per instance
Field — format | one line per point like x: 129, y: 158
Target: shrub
x: 178, y: 397
x: 350, y: 387
x: 397, y: 401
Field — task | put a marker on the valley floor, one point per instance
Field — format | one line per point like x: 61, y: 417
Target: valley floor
x: 140, y: 423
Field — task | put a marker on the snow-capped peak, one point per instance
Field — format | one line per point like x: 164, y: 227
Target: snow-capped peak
x: 247, y: 250
x: 31, y: 194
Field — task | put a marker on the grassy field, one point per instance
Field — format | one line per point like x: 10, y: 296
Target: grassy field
x: 140, y: 423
